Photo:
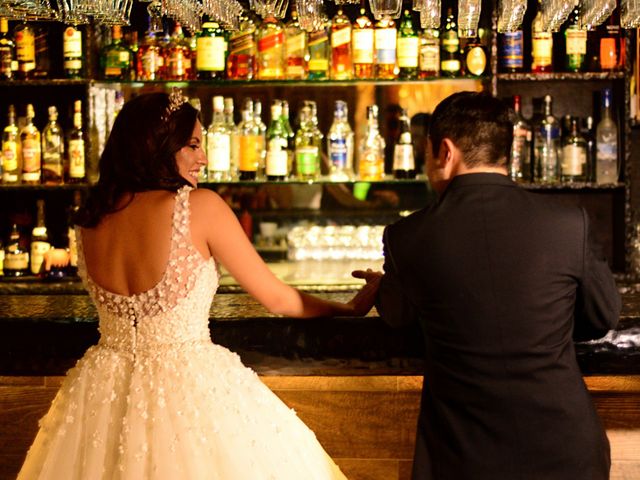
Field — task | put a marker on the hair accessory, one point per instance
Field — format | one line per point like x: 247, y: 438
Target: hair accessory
x: 176, y: 100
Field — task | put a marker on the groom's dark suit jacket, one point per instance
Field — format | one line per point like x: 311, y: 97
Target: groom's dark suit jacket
x: 501, y: 281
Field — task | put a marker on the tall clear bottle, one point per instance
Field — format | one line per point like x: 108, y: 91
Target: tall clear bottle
x: 39, y: 240
x: 218, y: 144
x: 277, y: 161
x: 11, y: 152
x: 272, y: 63
x: 404, y: 164
x: 520, y: 167
x: 546, y: 145
x: 291, y: 136
x: 31, y: 150
x: 362, y: 45
x: 77, y: 172
x: 371, y: 149
x: 262, y: 128
x: 341, y: 61
x: 234, y: 134
x: 340, y: 144
x: 574, y: 155
x: 307, y: 148
x: 52, y: 150
x: 607, y: 143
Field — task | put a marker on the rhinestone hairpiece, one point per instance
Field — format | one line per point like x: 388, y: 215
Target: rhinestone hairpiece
x: 176, y: 100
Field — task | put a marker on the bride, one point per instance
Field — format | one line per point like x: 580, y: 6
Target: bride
x: 155, y: 398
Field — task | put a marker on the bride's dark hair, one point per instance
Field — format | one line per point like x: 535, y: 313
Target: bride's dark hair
x: 139, y: 154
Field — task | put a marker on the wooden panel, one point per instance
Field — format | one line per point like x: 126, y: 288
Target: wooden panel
x: 368, y: 469
x: 618, y: 410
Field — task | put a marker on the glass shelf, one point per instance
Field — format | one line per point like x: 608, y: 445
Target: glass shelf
x: 65, y: 186
x: 420, y: 179
x: 45, y: 82
x: 544, y: 77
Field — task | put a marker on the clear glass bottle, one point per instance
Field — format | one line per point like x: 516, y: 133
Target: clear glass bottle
x: 52, y: 150
x: 31, y: 147
x: 272, y: 62
x: 241, y: 61
x: 8, y: 59
x: 307, y: 148
x: 218, y: 144
x: 429, y: 55
x: 262, y: 128
x: 340, y: 144
x: 589, y: 133
x: 234, y: 135
x: 371, y: 149
x: 408, y: 47
x: 211, y: 50
x: 116, y: 57
x: 77, y: 172
x: 319, y: 54
x: 450, y: 47
x: 296, y: 48
x: 277, y: 161
x: 72, y: 52
x: 16, y: 258
x: 520, y: 166
x: 341, y: 61
x: 11, y: 154
x: 607, y: 143
x: 251, y: 144
x: 362, y: 45
x: 39, y: 240
x: 574, y: 154
x: 404, y: 164
x: 291, y: 136
x: 541, y: 45
x: 385, y: 38
x: 25, y: 38
x: 546, y: 145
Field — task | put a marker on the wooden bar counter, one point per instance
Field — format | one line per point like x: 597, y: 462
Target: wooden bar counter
x: 354, y: 381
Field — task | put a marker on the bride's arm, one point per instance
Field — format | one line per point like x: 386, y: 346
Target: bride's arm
x: 214, y: 223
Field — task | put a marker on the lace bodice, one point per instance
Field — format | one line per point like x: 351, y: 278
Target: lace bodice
x: 175, y: 310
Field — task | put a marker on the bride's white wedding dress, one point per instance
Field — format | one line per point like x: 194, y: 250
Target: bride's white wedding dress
x: 156, y: 399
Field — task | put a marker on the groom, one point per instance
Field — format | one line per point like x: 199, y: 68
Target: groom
x: 501, y: 282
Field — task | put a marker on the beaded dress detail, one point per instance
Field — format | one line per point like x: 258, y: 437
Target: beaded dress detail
x: 156, y: 399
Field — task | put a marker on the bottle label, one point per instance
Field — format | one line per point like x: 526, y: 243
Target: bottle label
x: 371, y: 165
x: 513, y: 50
x: 9, y: 156
x: 16, y: 261
x: 295, y: 45
x: 72, y: 44
x: 608, y: 55
x: 362, y: 45
x: 26, y: 46
x: 403, y: 157
x: 318, y: 37
x: 52, y: 159
x: 576, y: 42
x: 408, y: 52
x: 250, y: 152
x: 242, y: 44
x: 338, y: 152
x: 31, y: 159
x: 476, y: 61
x: 574, y: 159
x: 177, y: 62
x: 450, y: 42
x: 218, y: 152
x: 307, y: 160
x: 429, y: 60
x: 151, y: 62
x: 277, y: 157
x: 607, y: 152
x: 38, y: 249
x: 341, y: 36
x: 271, y: 42
x: 76, y: 158
x: 542, y: 49
x: 318, y: 64
x: 210, y: 52
x: 450, y: 65
x: 385, y: 40
x: 73, y: 247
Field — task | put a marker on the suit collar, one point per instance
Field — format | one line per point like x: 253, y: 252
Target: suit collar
x: 473, y: 179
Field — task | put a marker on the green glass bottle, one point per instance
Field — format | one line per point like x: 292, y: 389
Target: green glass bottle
x: 211, y: 52
x: 277, y: 161
x: 408, y: 46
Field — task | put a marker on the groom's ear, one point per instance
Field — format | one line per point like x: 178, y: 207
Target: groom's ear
x: 448, y: 156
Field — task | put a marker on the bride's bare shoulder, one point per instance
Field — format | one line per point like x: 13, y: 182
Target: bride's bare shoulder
x: 204, y: 201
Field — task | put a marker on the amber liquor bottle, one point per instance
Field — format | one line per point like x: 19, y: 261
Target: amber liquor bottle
x: 31, y: 150
x: 241, y: 61
x: 385, y: 38
x: 77, y: 173
x: 341, y: 61
x: 362, y: 45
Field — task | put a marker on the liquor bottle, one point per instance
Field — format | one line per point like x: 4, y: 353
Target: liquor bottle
x: 149, y: 60
x: 520, y: 167
x: 241, y: 61
x: 72, y: 52
x: 371, y: 151
x: 31, y: 150
x: 575, y: 44
x: 211, y: 50
x: 43, y: 55
x: 362, y: 45
x: 39, y: 240
x: 607, y: 143
x: 541, y: 45
x: 512, y: 51
x: 589, y: 134
x: 296, y: 48
x: 319, y: 51
x: 546, y: 144
x: 404, y: 164
x: 340, y: 144
x: 272, y: 64
x: 11, y: 154
x: 429, y: 56
x: 307, y: 148
x: 52, y: 150
x: 262, y: 128
x: 16, y: 258
x: 8, y: 59
x: 574, y: 155
x: 218, y: 144
x: 450, y: 48
x: 25, y: 39
x: 611, y: 45
x: 71, y: 232
x: 291, y: 136
x: 314, y: 124
x: 234, y: 136
x: 475, y: 58
x: 408, y: 46
x: 341, y: 61
x: 117, y: 57
x: 277, y: 163
x: 385, y: 41
x: 77, y: 172
x: 179, y: 56
x: 250, y: 144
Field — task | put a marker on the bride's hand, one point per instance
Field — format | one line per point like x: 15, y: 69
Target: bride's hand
x: 366, y: 297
